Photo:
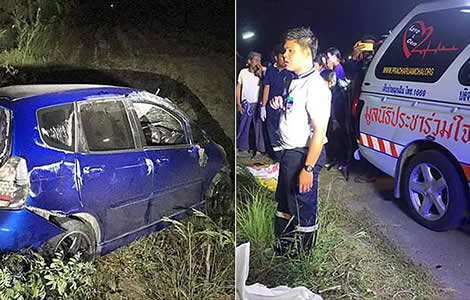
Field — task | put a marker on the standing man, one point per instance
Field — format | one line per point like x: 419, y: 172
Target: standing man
x: 338, y: 150
x: 248, y: 95
x: 273, y: 86
x: 303, y: 124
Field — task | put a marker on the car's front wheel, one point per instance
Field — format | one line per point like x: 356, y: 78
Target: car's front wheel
x: 78, y: 237
x: 434, y: 191
x: 218, y: 195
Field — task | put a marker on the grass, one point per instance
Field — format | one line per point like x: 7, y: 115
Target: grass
x: 253, y: 215
x: 191, y: 260
x: 353, y: 259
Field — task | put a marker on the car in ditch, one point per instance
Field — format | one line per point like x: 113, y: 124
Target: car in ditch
x: 91, y: 168
x: 415, y: 112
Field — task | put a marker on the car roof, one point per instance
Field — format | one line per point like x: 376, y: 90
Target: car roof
x: 437, y: 5
x: 16, y: 92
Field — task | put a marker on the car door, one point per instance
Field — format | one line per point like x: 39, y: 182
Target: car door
x: 177, y: 177
x: 116, y: 174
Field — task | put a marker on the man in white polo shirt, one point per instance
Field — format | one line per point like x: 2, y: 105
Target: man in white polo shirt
x: 302, y: 125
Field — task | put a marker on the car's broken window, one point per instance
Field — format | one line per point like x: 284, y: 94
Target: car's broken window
x: 106, y: 126
x: 56, y: 126
x: 159, y: 126
x: 199, y: 136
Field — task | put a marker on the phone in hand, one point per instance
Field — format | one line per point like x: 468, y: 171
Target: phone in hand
x: 366, y: 46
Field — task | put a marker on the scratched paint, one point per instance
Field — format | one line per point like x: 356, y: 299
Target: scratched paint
x: 38, y: 173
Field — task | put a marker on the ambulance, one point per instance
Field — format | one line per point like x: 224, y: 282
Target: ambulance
x: 414, y: 112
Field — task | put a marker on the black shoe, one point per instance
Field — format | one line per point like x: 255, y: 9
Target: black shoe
x: 344, y: 170
x: 330, y: 165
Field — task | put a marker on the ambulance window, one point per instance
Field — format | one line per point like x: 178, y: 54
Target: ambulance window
x: 464, y: 73
x: 425, y: 47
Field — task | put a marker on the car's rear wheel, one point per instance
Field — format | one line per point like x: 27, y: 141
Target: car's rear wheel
x: 434, y: 191
x: 218, y: 195
x: 78, y: 237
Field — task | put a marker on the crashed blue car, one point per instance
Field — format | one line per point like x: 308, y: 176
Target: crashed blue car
x: 91, y: 168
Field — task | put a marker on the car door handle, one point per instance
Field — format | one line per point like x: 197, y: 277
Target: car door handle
x: 161, y: 161
x: 94, y: 170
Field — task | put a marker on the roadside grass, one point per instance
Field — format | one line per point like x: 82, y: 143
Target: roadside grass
x: 352, y: 259
x: 190, y: 260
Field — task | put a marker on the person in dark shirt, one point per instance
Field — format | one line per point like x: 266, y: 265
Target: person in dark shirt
x: 274, y: 80
x: 355, y: 70
x: 337, y: 149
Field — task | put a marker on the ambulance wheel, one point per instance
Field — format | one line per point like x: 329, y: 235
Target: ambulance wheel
x: 434, y: 191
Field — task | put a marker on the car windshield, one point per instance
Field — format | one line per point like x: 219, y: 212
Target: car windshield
x: 5, y: 120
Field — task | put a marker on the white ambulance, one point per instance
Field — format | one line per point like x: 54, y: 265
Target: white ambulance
x: 415, y: 112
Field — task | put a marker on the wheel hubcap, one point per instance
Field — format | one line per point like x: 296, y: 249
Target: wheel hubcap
x: 428, y: 192
x: 74, y: 242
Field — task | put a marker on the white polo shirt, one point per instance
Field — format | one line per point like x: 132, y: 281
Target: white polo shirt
x: 311, y: 100
x: 250, y: 86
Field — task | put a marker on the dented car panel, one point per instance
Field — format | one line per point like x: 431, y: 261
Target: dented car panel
x: 122, y: 157
x: 21, y: 229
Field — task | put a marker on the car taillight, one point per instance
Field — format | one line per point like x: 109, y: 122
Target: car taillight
x: 14, y: 183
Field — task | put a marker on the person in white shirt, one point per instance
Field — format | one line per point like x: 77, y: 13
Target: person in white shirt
x: 303, y: 124
x: 248, y: 96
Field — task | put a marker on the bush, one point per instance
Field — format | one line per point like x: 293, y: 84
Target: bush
x: 30, y: 276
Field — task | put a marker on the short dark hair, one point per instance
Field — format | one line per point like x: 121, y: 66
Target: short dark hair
x: 321, y: 59
x: 368, y: 37
x: 334, y: 51
x: 305, y: 38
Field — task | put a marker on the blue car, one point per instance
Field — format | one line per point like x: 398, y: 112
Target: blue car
x: 91, y: 168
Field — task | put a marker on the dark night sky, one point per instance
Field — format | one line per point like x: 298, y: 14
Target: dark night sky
x: 337, y: 23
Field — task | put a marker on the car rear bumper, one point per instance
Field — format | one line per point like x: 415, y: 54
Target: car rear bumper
x: 22, y: 229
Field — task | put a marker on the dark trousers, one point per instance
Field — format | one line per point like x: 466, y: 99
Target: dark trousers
x: 272, y: 131
x: 250, y: 118
x: 337, y: 147
x: 295, y: 220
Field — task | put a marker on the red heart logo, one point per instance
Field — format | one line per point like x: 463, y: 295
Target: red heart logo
x: 416, y: 36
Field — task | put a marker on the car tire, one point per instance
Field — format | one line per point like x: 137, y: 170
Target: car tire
x: 434, y: 192
x: 218, y: 195
x: 78, y: 237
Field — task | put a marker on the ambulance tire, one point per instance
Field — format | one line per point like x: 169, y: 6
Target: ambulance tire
x: 453, y: 196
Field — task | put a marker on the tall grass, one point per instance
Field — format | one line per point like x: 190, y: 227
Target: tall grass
x: 190, y: 260
x: 255, y: 212
x: 352, y: 258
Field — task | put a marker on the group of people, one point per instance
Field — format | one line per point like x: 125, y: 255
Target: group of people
x: 294, y: 109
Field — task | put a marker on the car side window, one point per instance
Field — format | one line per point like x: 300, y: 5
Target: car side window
x: 159, y: 126
x: 56, y: 126
x: 106, y: 126
x: 464, y: 73
x: 199, y: 137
